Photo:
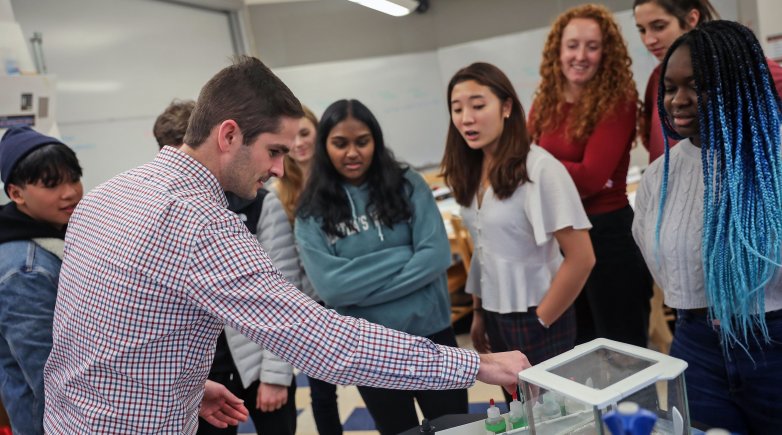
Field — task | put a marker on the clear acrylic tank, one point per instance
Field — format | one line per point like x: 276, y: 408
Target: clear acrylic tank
x: 571, y: 392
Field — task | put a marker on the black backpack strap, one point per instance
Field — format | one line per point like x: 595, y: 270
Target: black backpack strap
x: 252, y: 212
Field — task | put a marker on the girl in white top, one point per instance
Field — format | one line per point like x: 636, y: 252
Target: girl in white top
x: 522, y: 208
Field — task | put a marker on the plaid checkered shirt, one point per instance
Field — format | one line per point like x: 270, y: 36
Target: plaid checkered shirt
x: 154, y: 265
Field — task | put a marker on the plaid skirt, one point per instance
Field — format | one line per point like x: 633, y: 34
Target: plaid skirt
x: 523, y: 332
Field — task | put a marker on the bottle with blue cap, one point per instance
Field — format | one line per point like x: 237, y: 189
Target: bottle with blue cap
x: 630, y: 419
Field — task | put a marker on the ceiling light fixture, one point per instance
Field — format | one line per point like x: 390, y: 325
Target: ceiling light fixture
x: 397, y: 8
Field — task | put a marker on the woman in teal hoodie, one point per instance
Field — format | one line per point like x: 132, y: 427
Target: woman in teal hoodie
x: 374, y: 246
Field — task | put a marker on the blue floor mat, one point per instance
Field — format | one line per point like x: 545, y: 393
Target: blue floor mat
x: 359, y: 419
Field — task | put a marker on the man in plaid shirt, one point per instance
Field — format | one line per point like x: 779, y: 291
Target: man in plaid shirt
x: 155, y: 265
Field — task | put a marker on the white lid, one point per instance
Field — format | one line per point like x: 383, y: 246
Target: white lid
x: 656, y: 367
x: 493, y: 412
x: 628, y: 408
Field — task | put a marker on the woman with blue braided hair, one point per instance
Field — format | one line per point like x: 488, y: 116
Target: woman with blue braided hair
x: 709, y: 225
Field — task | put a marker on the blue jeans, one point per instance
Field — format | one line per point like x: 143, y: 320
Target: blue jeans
x: 741, y: 393
x: 28, y: 290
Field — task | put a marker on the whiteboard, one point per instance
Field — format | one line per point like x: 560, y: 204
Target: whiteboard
x: 118, y: 64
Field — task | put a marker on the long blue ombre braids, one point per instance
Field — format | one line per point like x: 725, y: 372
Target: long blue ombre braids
x: 739, y: 113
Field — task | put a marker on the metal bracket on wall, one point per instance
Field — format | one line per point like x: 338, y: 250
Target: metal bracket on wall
x: 36, y: 43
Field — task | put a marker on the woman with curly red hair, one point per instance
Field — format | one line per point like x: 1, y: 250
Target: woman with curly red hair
x: 584, y: 113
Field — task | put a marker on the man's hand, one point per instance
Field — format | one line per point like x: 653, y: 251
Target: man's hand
x: 221, y: 408
x: 271, y: 397
x: 502, y: 368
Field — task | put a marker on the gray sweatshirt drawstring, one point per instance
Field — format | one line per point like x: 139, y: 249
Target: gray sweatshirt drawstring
x: 355, y: 218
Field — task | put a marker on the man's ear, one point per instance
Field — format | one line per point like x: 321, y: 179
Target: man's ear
x: 228, y: 134
x: 15, y: 193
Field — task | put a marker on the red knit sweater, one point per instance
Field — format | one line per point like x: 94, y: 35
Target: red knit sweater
x: 654, y: 142
x: 598, y: 165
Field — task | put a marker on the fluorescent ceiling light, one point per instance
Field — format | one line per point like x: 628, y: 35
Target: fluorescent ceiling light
x: 396, y: 8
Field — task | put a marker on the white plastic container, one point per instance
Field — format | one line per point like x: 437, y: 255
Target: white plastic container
x: 589, y: 380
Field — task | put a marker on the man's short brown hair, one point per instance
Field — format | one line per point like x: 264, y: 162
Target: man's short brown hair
x: 246, y: 92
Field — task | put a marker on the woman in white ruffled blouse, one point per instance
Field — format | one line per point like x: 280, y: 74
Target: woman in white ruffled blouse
x: 523, y: 212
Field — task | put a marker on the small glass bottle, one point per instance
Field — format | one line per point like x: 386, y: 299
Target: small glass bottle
x: 551, y: 408
x: 517, y: 417
x: 494, y: 422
